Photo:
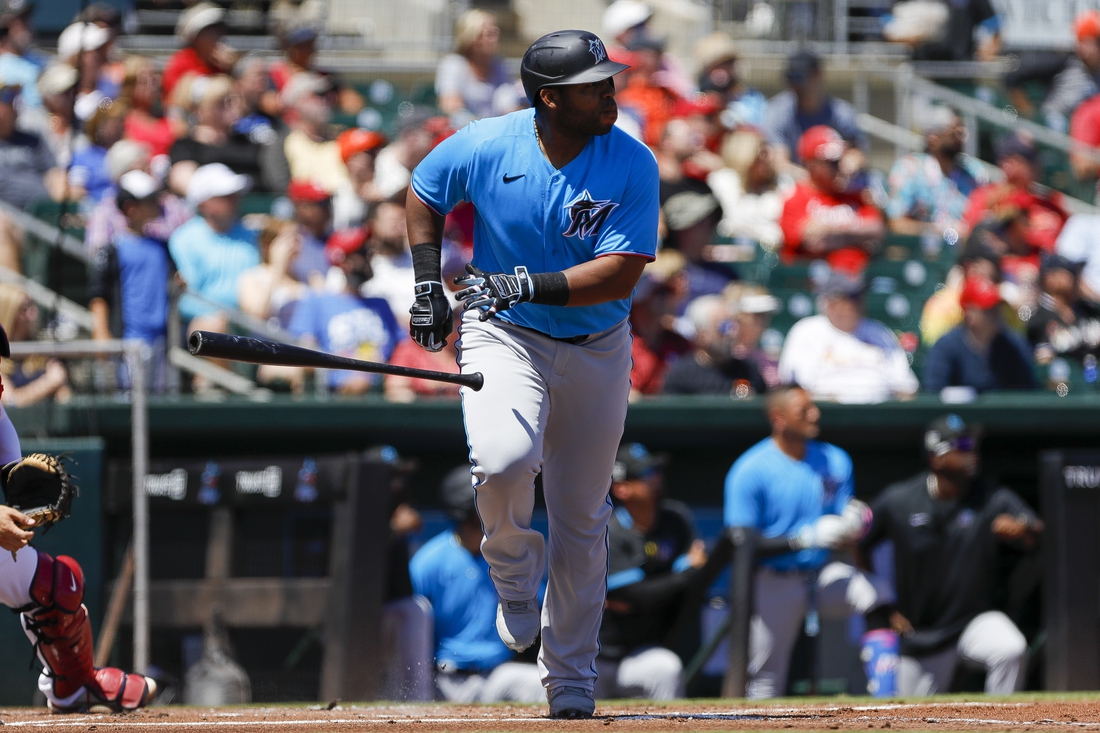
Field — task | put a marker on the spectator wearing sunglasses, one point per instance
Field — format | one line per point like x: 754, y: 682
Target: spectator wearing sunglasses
x: 822, y: 218
x: 947, y: 525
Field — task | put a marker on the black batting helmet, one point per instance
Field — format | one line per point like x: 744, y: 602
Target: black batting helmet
x: 457, y: 493
x: 565, y: 57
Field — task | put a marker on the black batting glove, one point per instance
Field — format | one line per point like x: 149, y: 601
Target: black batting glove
x: 432, y: 320
x: 493, y: 292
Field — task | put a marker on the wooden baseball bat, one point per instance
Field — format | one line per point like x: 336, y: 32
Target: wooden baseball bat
x: 261, y: 351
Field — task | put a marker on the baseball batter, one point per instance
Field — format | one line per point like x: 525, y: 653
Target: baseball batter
x: 48, y: 593
x: 566, y: 219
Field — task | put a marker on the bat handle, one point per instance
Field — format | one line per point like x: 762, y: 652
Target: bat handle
x: 476, y: 381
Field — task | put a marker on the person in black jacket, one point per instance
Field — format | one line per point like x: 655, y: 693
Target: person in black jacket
x: 652, y: 555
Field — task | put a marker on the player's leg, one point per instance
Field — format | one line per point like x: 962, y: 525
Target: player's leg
x: 514, y: 682
x: 459, y: 687
x: 927, y: 674
x: 9, y: 440
x: 16, y: 576
x: 589, y: 387
x: 56, y: 622
x: 780, y: 604
x: 992, y: 641
x: 504, y: 428
x: 653, y: 673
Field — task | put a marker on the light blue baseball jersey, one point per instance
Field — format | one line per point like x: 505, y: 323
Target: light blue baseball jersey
x: 769, y: 490
x: 605, y: 201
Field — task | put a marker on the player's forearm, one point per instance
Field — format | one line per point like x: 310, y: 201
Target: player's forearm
x: 425, y: 229
x: 604, y: 279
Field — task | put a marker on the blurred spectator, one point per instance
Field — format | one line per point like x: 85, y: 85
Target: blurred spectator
x: 1018, y: 158
x: 140, y: 95
x: 690, y: 214
x: 1070, y: 82
x: 799, y: 494
x: 128, y: 283
x: 946, y: 31
x: 409, y: 354
x: 472, y: 663
x: 712, y: 368
x: 942, y: 311
x: 395, y: 162
x: 16, y: 37
x: 57, y: 86
x: 805, y: 104
x: 719, y: 76
x: 472, y: 82
x: 88, y: 174
x: 28, y: 171
x: 391, y: 260
x: 268, y: 291
x: 1079, y: 241
x: 945, y: 525
x: 929, y: 190
x: 982, y: 353
x: 214, y: 248
x: 105, y: 219
x: 298, y: 39
x: 1064, y: 325
x: 84, y: 46
x: 213, y: 140
x: 823, y: 219
x: 842, y: 355
x: 36, y: 378
x: 645, y: 587
x: 313, y: 212
x: 311, y: 152
x: 749, y: 190
x: 200, y: 29
x: 347, y: 323
x: 678, y: 144
x: 645, y: 91
x: 752, y: 307
x: 624, y: 23
x: 352, y: 201
x: 656, y: 344
x: 257, y: 100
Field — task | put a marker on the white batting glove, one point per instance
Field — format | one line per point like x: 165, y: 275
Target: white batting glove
x: 828, y: 532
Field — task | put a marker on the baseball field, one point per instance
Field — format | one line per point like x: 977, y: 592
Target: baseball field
x: 1025, y: 712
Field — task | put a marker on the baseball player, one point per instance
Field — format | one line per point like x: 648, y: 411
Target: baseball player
x: 48, y: 592
x: 798, y: 493
x: 566, y: 218
x: 945, y: 524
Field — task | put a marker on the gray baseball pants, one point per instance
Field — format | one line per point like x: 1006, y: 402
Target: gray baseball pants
x: 990, y: 641
x: 556, y: 408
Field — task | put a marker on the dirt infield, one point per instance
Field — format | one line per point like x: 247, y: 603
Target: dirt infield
x: 1028, y: 714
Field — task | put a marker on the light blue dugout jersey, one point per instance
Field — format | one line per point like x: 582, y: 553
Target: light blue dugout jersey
x: 769, y: 490
x: 464, y: 604
x: 605, y: 201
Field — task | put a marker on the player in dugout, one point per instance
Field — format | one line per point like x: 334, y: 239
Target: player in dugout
x: 946, y: 525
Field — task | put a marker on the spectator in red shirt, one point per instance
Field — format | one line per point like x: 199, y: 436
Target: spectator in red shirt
x: 822, y: 218
x: 203, y: 54
x: 1019, y: 160
x: 139, y: 94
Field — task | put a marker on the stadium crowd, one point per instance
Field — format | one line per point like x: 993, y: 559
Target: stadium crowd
x: 158, y: 162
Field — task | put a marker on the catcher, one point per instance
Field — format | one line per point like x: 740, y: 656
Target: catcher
x: 47, y: 591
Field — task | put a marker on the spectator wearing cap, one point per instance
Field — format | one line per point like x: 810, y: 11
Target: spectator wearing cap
x: 1064, y: 324
x: 105, y: 219
x: 353, y: 199
x: 750, y: 190
x: 89, y: 178
x: 625, y: 25
x: 214, y: 248
x: 16, y: 37
x: 140, y: 94
x: 947, y: 525
x: 472, y: 82
x: 1018, y: 159
x: 982, y: 353
x: 347, y: 323
x: 200, y: 29
x: 57, y: 87
x: 821, y: 218
x: 712, y: 368
x: 942, y: 311
x: 719, y: 76
x: 805, y: 104
x: 298, y: 41
x: 128, y: 282
x: 310, y: 150
x: 393, y: 167
x: 842, y: 355
x: 929, y: 191
x: 752, y: 307
x: 690, y: 214
x: 313, y: 212
x: 472, y: 663
x: 653, y: 555
x: 1079, y: 241
x: 213, y: 140
x: 268, y: 290
x: 84, y: 46
x: 391, y: 260
x: 646, y: 92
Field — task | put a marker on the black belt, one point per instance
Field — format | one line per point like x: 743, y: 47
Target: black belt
x: 574, y: 340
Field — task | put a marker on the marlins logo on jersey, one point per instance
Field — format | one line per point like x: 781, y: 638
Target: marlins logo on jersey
x: 586, y: 215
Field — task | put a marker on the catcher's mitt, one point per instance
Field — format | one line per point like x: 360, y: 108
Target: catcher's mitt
x: 40, y: 487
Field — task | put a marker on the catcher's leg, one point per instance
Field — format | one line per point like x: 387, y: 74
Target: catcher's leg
x: 57, y: 623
